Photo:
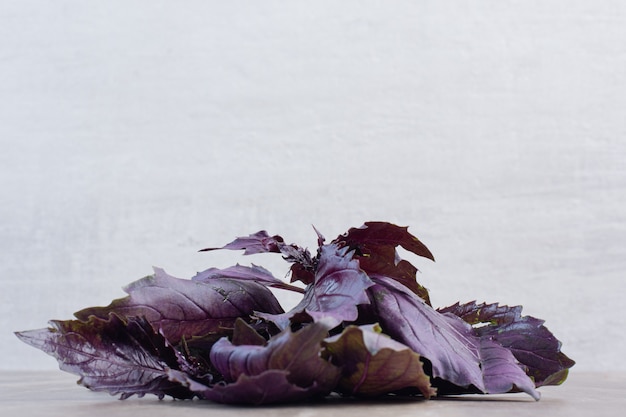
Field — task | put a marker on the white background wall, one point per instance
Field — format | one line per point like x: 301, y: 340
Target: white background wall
x: 133, y: 134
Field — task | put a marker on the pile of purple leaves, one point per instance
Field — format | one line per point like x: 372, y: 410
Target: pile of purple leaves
x: 364, y: 327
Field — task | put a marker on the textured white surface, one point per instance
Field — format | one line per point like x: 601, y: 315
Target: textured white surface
x: 134, y: 133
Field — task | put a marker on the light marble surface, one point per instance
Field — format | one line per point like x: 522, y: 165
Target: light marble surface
x: 50, y: 393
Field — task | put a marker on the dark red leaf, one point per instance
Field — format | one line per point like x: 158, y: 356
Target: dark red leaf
x: 374, y: 364
x: 383, y: 234
x: 375, y: 246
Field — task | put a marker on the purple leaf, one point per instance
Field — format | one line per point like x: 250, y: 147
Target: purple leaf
x: 255, y: 273
x: 374, y: 364
x: 184, y: 308
x: 375, y: 245
x: 288, y: 368
x: 262, y: 242
x: 259, y: 242
x: 339, y: 287
x: 112, y: 355
x: 408, y: 319
x: 473, y: 313
x: 296, y: 352
x: 532, y: 344
x: 456, y: 354
x: 270, y: 387
x: 501, y: 372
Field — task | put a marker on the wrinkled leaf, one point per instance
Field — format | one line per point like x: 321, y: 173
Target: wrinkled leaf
x: 112, y: 355
x: 375, y: 364
x: 186, y: 308
x: 288, y: 368
x: 339, y: 287
x: 532, y: 344
x: 296, y: 352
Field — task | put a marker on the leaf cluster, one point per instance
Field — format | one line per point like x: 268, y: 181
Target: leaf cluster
x: 364, y: 327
